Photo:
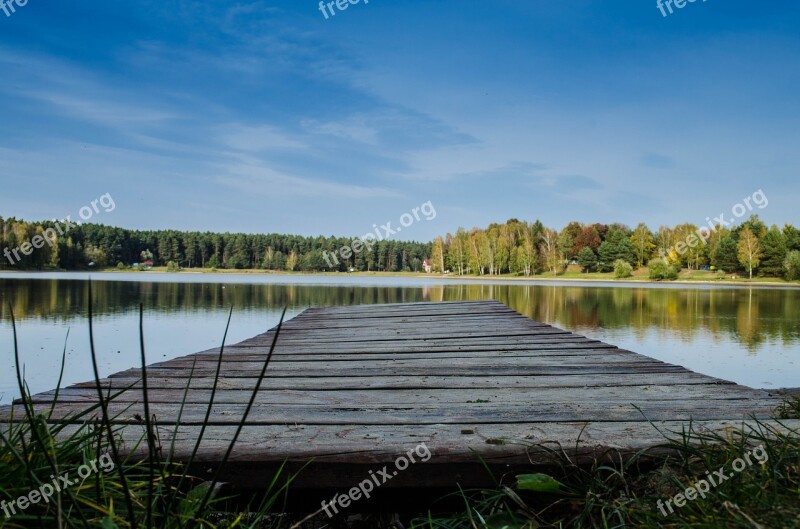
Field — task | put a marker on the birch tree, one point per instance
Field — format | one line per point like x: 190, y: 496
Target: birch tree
x: 749, y: 250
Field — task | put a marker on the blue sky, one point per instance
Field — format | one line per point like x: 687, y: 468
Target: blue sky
x: 263, y: 116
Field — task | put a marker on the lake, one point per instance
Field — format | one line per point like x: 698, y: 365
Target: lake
x: 747, y: 335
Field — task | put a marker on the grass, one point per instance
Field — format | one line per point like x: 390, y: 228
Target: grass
x: 108, y: 489
x: 639, y: 275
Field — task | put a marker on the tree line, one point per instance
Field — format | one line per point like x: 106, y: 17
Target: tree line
x: 530, y: 248
x: 514, y: 247
x: 102, y: 246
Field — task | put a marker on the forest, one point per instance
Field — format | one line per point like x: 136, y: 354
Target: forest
x: 527, y: 249
x: 514, y: 247
x: 106, y: 246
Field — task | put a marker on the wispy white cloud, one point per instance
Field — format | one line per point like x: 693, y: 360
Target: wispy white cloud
x: 255, y: 177
x: 257, y: 138
x: 354, y: 128
x: 98, y: 111
x: 78, y: 93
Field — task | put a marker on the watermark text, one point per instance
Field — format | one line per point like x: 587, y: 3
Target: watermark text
x: 666, y: 5
x: 328, y: 7
x: 713, y: 479
x: 56, y: 484
x: 50, y: 235
x: 757, y: 199
x: 375, y: 479
x: 382, y: 233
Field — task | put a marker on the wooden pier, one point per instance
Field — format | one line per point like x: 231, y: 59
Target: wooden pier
x: 355, y: 387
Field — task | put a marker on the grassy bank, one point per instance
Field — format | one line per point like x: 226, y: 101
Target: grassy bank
x: 639, y: 276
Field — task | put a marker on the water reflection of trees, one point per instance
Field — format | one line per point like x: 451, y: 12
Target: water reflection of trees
x: 753, y: 316
x: 68, y: 299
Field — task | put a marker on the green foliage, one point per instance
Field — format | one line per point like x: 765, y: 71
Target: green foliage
x: 587, y: 259
x: 749, y: 250
x: 106, y: 244
x: 660, y: 270
x: 726, y: 255
x: 773, y: 248
x: 792, y: 265
x: 515, y: 247
x: 643, y: 243
x: 538, y: 483
x: 622, y: 269
x: 566, y: 240
x: 96, y: 255
x: 792, y: 236
x: 754, y: 224
x: 172, y: 266
x: 617, y: 246
x: 213, y: 263
x: 121, y: 266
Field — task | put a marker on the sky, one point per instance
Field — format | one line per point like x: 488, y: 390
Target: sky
x: 266, y: 116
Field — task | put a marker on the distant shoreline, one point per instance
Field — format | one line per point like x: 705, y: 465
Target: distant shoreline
x: 584, y: 278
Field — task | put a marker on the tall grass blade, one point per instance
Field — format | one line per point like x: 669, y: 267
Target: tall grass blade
x: 32, y: 422
x: 249, y: 407
x: 210, y: 406
x: 60, y: 375
x: 106, y: 422
x: 151, y: 441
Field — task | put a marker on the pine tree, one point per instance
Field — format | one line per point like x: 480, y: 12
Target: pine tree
x: 616, y: 246
x: 587, y: 259
x: 773, y: 246
x: 725, y: 257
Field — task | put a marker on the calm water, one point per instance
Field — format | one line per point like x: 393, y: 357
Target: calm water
x: 751, y: 336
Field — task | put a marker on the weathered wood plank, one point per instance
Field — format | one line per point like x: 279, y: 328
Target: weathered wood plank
x: 420, y: 346
x: 612, y: 410
x: 412, y: 382
x: 328, y: 397
x: 329, y: 363
x: 546, y: 351
x: 449, y: 443
x: 435, y: 370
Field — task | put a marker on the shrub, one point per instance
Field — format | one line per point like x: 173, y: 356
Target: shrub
x: 172, y: 266
x: 121, y: 265
x: 622, y: 269
x: 792, y: 265
x: 660, y: 270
